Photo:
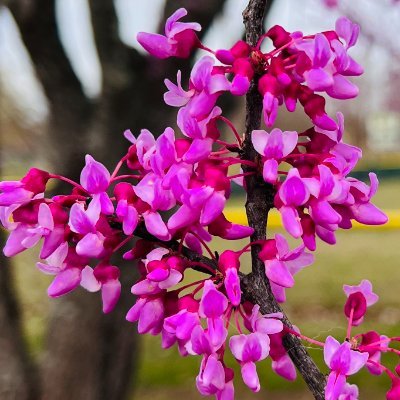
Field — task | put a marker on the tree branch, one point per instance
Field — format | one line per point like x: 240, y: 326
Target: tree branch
x: 255, y: 286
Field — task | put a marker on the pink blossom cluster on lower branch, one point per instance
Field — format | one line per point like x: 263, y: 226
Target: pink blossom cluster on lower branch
x: 175, y: 189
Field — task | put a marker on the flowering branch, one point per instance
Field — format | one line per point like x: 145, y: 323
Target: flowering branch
x: 260, y: 194
x: 174, y: 199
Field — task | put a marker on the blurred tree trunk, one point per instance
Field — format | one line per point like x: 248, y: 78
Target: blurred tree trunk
x: 17, y: 375
x: 89, y: 356
x: 17, y: 378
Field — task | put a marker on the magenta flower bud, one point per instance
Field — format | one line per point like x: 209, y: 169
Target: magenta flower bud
x: 239, y: 50
x: 225, y: 56
x: 229, y: 259
x: 368, y: 338
x: 189, y: 303
x: 356, y: 302
x: 35, y: 180
x: 124, y: 191
x: 281, y: 362
x: 308, y: 236
x: 268, y: 250
x: 227, y: 230
x: 21, y: 192
x: 279, y: 36
x: 364, y: 289
x: 394, y: 392
x: 176, y: 263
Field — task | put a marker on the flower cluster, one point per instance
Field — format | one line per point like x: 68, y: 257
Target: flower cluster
x: 361, y: 350
x: 172, y: 195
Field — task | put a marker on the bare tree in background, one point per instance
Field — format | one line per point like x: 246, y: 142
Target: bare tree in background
x: 89, y: 355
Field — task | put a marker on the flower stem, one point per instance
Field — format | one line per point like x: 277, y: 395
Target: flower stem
x: 230, y: 124
x: 349, y: 325
x: 299, y: 335
x: 116, y: 178
x: 118, y: 166
x: 70, y: 181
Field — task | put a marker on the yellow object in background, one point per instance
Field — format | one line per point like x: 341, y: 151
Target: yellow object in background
x: 238, y: 215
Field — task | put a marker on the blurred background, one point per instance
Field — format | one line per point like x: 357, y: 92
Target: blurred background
x: 73, y: 78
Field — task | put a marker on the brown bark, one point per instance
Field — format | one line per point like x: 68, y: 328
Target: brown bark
x: 256, y: 286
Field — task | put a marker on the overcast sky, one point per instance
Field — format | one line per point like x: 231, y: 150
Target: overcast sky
x: 17, y: 76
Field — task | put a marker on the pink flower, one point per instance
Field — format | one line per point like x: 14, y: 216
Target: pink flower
x: 292, y: 193
x: 342, y: 362
x: 317, y: 77
x: 150, y: 314
x: 125, y: 210
x: 281, y: 263
x: 347, y: 30
x: 228, y: 230
x: 268, y: 87
x: 32, y: 185
x: 267, y: 324
x: 359, y: 298
x: 323, y: 61
x: 179, y: 40
x: 374, y: 344
x: 281, y: 362
x: 105, y: 278
x: 394, y: 392
x: 196, y: 118
x: 365, y: 288
x: 161, y: 272
x: 238, y: 57
x: 213, y: 303
x: 212, y: 306
x: 176, y: 96
x: 249, y: 349
x: 84, y: 222
x: 203, y: 343
x: 67, y: 266
x: 273, y: 147
x: 25, y: 235
x: 362, y: 210
x: 150, y: 190
x: 214, y: 378
x: 179, y: 327
x: 350, y: 392
x: 95, y: 178
x: 229, y: 265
